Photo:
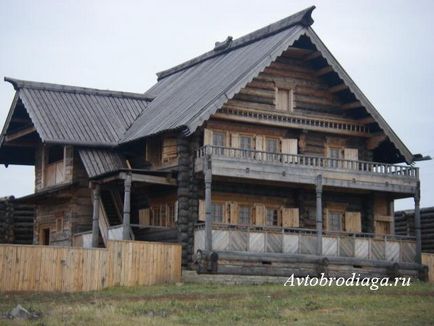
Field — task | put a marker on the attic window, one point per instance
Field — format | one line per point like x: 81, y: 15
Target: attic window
x: 55, y: 154
x: 284, y: 100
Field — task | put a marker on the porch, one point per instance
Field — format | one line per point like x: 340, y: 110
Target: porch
x: 299, y: 241
x: 280, y: 167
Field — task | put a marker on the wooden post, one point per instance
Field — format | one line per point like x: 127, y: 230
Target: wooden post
x: 417, y: 224
x: 95, y: 216
x: 127, y: 208
x: 208, y: 216
x: 319, y: 214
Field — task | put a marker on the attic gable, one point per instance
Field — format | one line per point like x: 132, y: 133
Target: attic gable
x: 187, y: 95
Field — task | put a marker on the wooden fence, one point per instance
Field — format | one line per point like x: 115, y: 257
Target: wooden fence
x: 65, y: 269
x: 428, y: 259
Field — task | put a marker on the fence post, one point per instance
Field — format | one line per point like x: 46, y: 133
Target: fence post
x: 95, y: 216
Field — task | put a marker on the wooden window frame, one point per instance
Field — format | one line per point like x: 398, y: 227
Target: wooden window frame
x: 240, y: 207
x: 278, y: 217
x: 289, y: 93
x: 342, y: 219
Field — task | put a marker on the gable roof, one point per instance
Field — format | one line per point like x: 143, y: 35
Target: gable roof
x: 77, y: 115
x: 98, y: 161
x: 188, y: 94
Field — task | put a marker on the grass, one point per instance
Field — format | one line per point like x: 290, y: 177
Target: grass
x: 214, y: 304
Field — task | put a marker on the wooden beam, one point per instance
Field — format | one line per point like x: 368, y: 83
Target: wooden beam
x: 324, y: 71
x: 338, y: 88
x: 153, y: 179
x: 374, y: 141
x: 312, y: 56
x: 352, y: 105
x: 20, y: 133
x: 366, y: 120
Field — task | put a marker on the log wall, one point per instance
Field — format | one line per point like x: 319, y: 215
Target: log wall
x: 123, y: 263
x: 16, y: 222
x: 428, y: 260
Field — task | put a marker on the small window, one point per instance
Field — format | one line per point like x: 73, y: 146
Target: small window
x: 272, y: 146
x: 218, y: 139
x: 335, y: 221
x: 55, y: 154
x: 272, y: 216
x: 245, y: 214
x: 246, y: 145
x: 335, y: 155
x: 217, y: 212
x: 284, y: 101
x: 59, y: 222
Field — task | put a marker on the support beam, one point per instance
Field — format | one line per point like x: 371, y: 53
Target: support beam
x: 312, y: 56
x: 324, y: 71
x: 366, y: 120
x: 208, y: 216
x: 417, y: 224
x: 338, y: 88
x: 352, y: 105
x: 127, y: 208
x: 318, y: 189
x: 19, y: 134
x: 95, y: 216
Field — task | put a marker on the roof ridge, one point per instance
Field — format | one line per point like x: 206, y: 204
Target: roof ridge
x: 302, y: 18
x: 18, y: 84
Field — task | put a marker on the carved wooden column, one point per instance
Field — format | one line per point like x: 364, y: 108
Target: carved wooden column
x: 318, y: 189
x: 417, y: 223
x: 208, y: 213
x: 95, y: 215
x: 127, y: 208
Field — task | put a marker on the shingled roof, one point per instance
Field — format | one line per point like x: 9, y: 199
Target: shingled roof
x: 78, y: 115
x: 186, y: 95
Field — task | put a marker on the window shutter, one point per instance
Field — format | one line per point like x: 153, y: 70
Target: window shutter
x: 226, y: 212
x: 145, y: 216
x: 351, y: 154
x: 235, y: 140
x: 259, y: 214
x: 353, y: 222
x: 326, y: 220
x: 290, y: 217
x: 282, y: 100
x: 289, y: 146
x: 259, y: 146
x: 202, y: 210
x: 207, y: 138
x: 234, y: 213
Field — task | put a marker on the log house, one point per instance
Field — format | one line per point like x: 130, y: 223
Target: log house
x: 260, y: 156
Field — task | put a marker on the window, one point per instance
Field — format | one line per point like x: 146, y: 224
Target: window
x: 246, y: 146
x: 217, y: 212
x: 272, y: 217
x: 54, y: 167
x: 161, y: 215
x: 59, y: 221
x: 335, y: 221
x: 271, y: 146
x: 284, y: 100
x: 245, y: 214
x: 335, y: 153
x: 55, y: 154
x: 218, y: 139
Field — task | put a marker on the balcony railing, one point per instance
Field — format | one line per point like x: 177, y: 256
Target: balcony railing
x: 300, y: 241
x: 309, y: 161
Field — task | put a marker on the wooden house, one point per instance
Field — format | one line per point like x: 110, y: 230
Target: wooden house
x: 260, y: 156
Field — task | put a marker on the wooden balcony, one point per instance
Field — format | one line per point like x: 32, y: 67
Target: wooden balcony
x: 279, y: 167
x: 298, y: 241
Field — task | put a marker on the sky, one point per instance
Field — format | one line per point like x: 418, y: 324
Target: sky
x: 386, y: 47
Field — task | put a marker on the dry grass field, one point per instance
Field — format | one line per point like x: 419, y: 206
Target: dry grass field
x: 193, y: 304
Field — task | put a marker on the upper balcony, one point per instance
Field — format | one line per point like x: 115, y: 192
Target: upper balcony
x: 291, y: 168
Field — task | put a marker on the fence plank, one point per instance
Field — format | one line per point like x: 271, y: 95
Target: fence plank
x: 69, y: 269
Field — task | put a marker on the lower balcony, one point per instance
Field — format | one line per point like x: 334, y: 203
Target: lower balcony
x: 297, y: 241
x: 280, y: 167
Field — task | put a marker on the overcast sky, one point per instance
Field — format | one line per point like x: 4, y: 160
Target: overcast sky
x: 386, y: 47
